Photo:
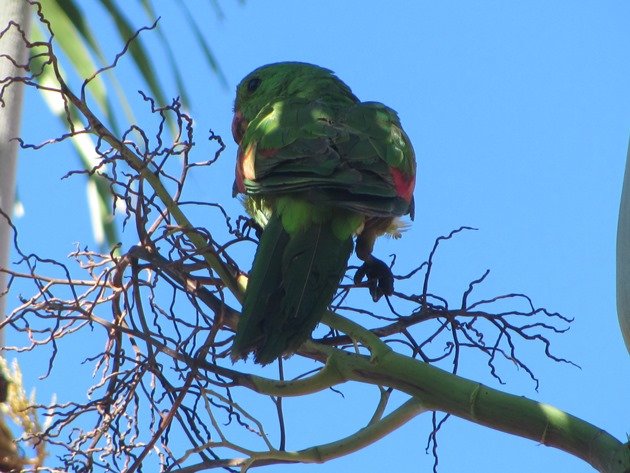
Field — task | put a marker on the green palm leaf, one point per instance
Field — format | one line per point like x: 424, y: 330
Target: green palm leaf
x: 84, y: 56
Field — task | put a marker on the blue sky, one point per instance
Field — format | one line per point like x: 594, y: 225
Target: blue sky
x: 520, y: 116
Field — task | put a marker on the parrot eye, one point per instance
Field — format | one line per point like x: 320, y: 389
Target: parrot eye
x: 253, y: 84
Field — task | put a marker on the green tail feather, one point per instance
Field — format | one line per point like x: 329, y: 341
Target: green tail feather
x: 293, y: 279
x: 264, y: 275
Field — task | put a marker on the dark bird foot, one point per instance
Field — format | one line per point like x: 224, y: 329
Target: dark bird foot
x: 380, y: 280
x: 250, y: 225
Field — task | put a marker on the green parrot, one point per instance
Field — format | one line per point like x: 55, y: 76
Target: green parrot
x: 317, y: 167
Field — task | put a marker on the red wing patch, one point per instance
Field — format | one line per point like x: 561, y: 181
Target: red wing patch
x: 403, y: 183
x: 268, y: 153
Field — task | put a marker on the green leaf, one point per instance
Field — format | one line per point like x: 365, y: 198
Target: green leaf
x: 74, y: 35
x: 76, y: 17
x: 179, y: 80
x: 68, y: 36
x: 209, y: 55
x: 623, y: 257
x: 98, y: 192
x: 137, y: 50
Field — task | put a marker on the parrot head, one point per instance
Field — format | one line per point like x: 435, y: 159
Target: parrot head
x: 280, y: 81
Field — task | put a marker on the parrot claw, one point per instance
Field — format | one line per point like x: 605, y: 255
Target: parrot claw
x: 251, y: 224
x: 379, y: 278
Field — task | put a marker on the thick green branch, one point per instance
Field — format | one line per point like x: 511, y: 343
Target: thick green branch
x: 329, y: 375
x: 439, y: 390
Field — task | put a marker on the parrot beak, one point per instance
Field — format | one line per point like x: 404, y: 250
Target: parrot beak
x: 239, y: 125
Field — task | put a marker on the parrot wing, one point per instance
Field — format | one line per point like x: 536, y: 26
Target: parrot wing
x: 355, y: 157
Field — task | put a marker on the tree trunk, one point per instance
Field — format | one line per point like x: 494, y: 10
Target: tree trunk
x: 12, y: 45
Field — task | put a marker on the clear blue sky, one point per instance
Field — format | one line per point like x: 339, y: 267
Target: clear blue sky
x: 520, y: 116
